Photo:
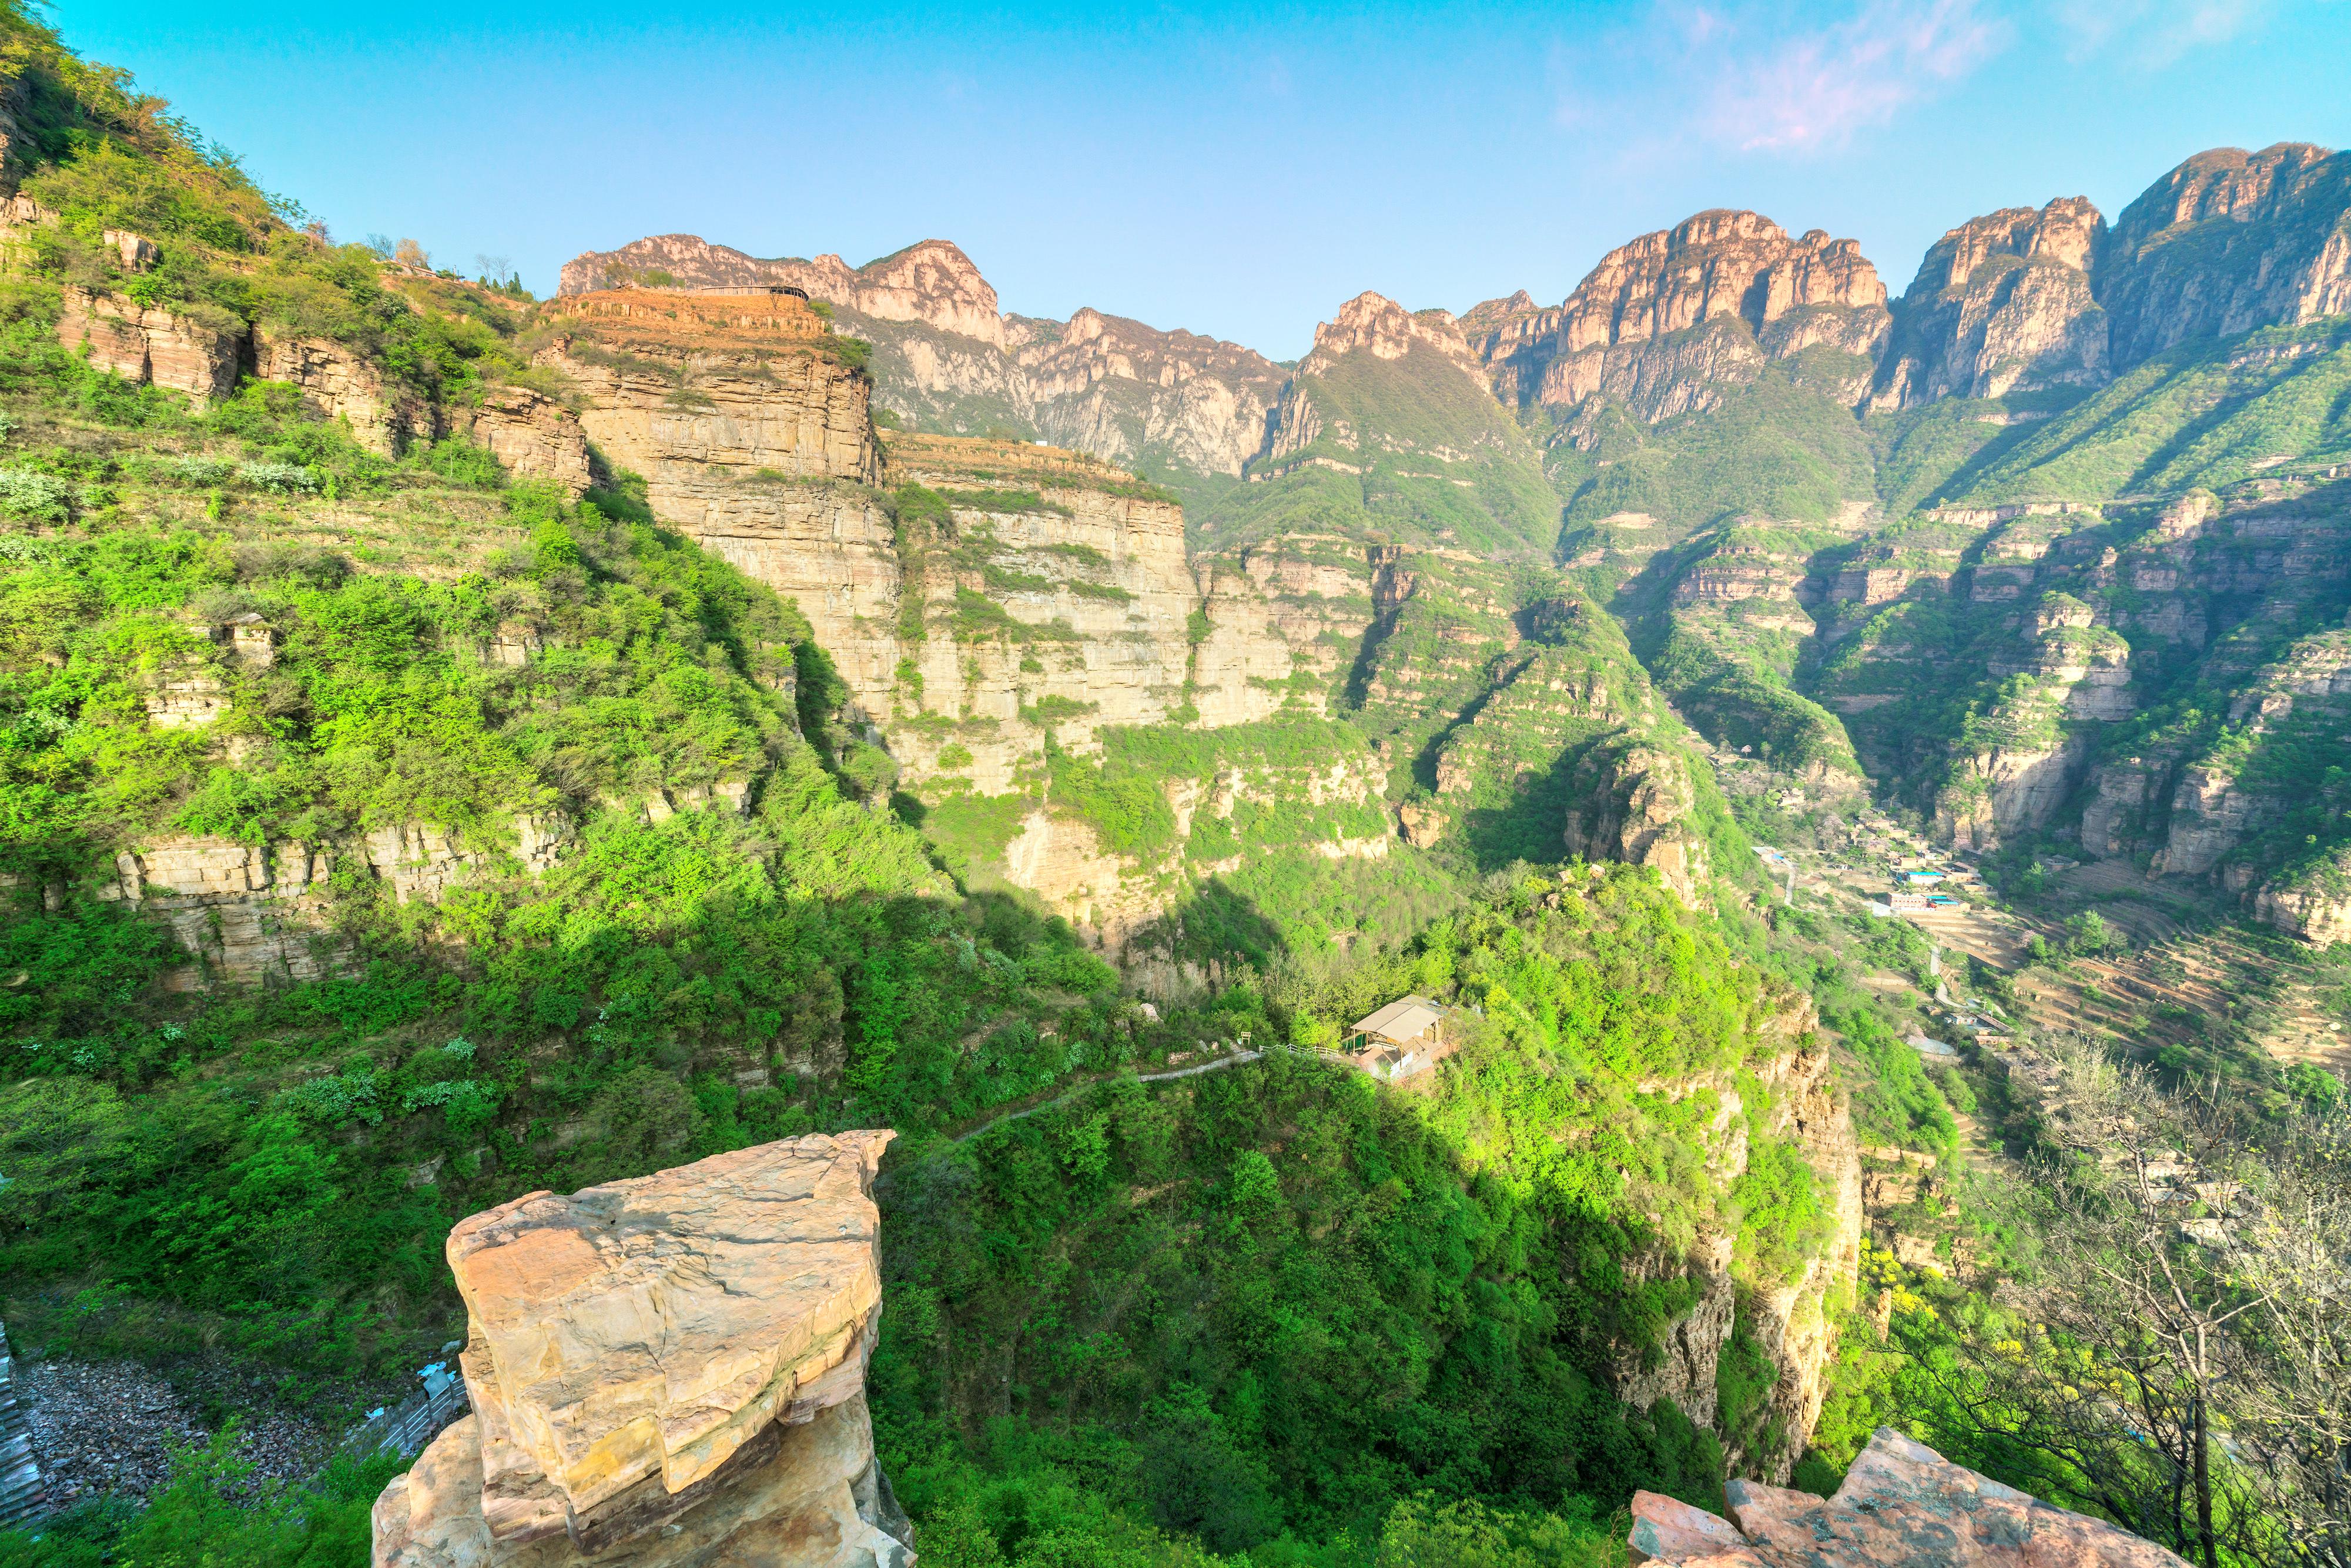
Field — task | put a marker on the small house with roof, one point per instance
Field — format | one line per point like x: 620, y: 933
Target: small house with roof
x: 1402, y: 1039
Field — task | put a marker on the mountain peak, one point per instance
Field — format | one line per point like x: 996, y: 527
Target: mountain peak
x: 930, y: 281
x: 1371, y: 322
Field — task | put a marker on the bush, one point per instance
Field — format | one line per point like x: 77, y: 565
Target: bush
x: 37, y: 498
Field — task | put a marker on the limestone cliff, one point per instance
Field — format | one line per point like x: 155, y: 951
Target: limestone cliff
x: 755, y: 439
x: 1024, y: 612
x: 946, y: 359
x: 146, y: 344
x: 1662, y: 323
x: 2003, y: 303
x: 1794, y: 1317
x: 931, y: 282
x: 667, y: 1372
x: 2228, y: 242
x: 1127, y: 391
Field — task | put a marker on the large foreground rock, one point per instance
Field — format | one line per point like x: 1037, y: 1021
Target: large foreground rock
x: 1902, y: 1505
x: 664, y: 1372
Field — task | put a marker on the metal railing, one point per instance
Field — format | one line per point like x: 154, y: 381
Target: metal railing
x: 408, y: 1427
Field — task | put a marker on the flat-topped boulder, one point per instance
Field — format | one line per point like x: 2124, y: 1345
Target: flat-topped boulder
x: 1902, y: 1505
x: 650, y: 1358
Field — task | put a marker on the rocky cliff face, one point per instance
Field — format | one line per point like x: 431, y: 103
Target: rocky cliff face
x: 148, y: 345
x: 948, y: 360
x: 1060, y: 609
x: 1127, y: 392
x: 665, y: 1372
x: 1663, y: 322
x: 1792, y: 1318
x: 754, y: 439
x: 2003, y: 303
x: 932, y: 282
x: 2228, y: 242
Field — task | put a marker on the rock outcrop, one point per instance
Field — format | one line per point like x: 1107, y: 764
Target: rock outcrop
x: 1902, y: 1505
x: 1633, y: 805
x: 2228, y: 242
x: 1792, y: 1318
x: 343, y: 384
x: 148, y: 345
x: 946, y: 359
x: 1124, y: 391
x: 1641, y: 327
x: 2003, y: 303
x: 932, y: 282
x: 532, y: 434
x: 2312, y: 902
x: 667, y: 1372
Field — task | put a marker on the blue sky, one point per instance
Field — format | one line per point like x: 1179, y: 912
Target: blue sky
x: 1238, y: 171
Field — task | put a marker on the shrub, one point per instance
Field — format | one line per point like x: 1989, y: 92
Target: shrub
x: 40, y: 498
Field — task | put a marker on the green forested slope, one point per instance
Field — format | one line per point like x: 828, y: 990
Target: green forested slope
x: 1342, y: 1298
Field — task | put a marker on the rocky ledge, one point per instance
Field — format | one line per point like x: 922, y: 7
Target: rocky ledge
x: 668, y: 1372
x: 1902, y: 1505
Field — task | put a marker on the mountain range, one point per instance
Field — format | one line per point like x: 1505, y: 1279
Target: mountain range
x: 2012, y: 546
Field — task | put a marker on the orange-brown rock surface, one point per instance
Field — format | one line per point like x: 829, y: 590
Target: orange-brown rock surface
x: 664, y: 1372
x: 2003, y: 303
x: 946, y: 357
x: 1632, y: 330
x: 930, y: 281
x: 147, y: 344
x: 1902, y: 1505
x: 532, y: 434
x: 344, y: 384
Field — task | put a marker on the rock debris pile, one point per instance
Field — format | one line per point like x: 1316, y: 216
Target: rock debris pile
x: 1902, y: 1505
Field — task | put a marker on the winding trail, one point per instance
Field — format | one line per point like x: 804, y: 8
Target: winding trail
x: 1221, y: 1062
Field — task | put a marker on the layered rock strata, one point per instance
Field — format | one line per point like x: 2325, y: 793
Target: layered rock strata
x: 1638, y: 327
x: 1793, y: 1319
x: 2003, y: 303
x: 932, y: 281
x: 148, y: 345
x: 667, y: 1372
x: 2228, y: 242
x: 947, y: 358
x: 1901, y: 1505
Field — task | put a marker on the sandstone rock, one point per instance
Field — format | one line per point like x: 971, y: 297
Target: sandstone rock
x: 2314, y: 905
x: 534, y: 436
x: 421, y: 861
x: 2001, y: 303
x: 187, y: 697
x: 1422, y: 826
x: 667, y: 1372
x: 1666, y: 1530
x: 1123, y: 390
x: 344, y: 384
x: 1627, y: 330
x: 148, y: 344
x: 1902, y: 1505
x: 2113, y: 821
x: 2209, y: 817
x: 931, y: 282
x: 2228, y: 242
x: 1682, y: 1366
x: 1634, y: 809
x: 250, y: 916
x: 137, y: 252
x: 252, y: 640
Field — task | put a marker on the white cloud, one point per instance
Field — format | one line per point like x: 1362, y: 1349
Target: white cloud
x: 1817, y: 90
x: 2155, y: 33
x: 1740, y: 75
